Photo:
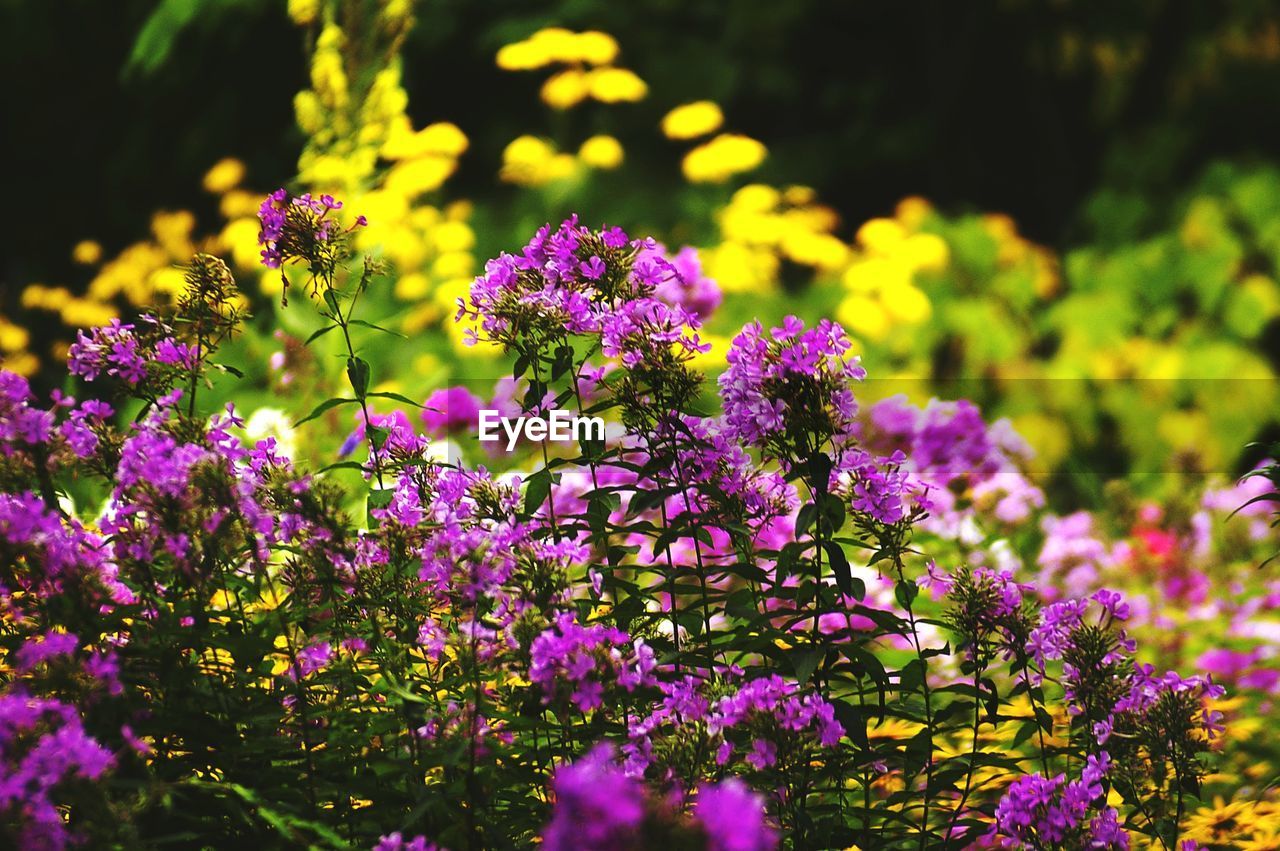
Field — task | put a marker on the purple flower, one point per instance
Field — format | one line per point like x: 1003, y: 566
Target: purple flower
x: 597, y: 806
x: 396, y: 842
x: 733, y: 817
x: 450, y: 409
x: 790, y: 386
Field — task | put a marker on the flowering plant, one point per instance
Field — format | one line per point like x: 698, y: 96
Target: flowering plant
x: 707, y: 630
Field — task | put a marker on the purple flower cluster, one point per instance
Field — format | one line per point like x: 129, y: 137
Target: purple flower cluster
x: 681, y: 282
x: 20, y: 422
x: 733, y: 818
x: 649, y: 332
x: 112, y: 349
x: 790, y: 389
x: 42, y: 744
x: 564, y: 281
x: 273, y: 215
x: 599, y: 807
x: 1041, y: 812
x: 748, y: 722
x: 584, y: 658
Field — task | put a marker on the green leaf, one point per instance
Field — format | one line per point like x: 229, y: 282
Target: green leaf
x: 805, y: 662
x: 840, y: 567
x: 331, y: 299
x: 387, y: 394
x: 326, y: 405
x: 906, y: 592
x: 562, y: 361
x: 377, y: 498
x: 317, y: 334
x: 364, y: 324
x: 167, y: 21
x: 805, y: 518
x: 536, y: 489
x: 819, y: 467
x: 358, y: 375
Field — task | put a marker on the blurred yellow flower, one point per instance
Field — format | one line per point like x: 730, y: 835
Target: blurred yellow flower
x: 86, y: 252
x: 411, y: 178
x: 863, y: 316
x: 224, y: 176
x: 172, y: 230
x: 453, y: 236
x: 13, y: 338
x: 906, y: 304
x: 692, y: 120
x: 603, y: 152
x: 881, y: 236
x: 239, y: 202
x: 240, y: 237
x: 616, y: 85
x: 453, y: 264
x: 566, y: 89
x: 912, y: 211
x: 556, y: 44
x: 442, y: 138
x: 23, y: 363
x: 303, y: 12
x: 530, y: 161
x: 722, y: 157
x: 595, y: 48
x: 412, y: 287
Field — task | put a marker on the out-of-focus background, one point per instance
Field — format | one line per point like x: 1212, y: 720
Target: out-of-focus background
x: 1068, y: 212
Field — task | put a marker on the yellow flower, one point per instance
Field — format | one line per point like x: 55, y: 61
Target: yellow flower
x: 303, y: 12
x: 328, y: 76
x: 603, y: 152
x: 442, y: 139
x: 925, y: 251
x: 224, y: 176
x: 239, y: 202
x: 756, y: 197
x: 308, y: 112
x: 173, y: 232
x: 615, y: 85
x: 712, y: 360
x: 86, y: 252
x: 595, y: 48
x: 1222, y: 821
x: 240, y: 237
x: 453, y: 236
x: 556, y: 44
x: 906, y: 304
x: 453, y: 264
x: 23, y: 363
x: 13, y: 338
x: 520, y: 56
x: 912, y: 211
x: 170, y: 280
x: 821, y: 250
x: 530, y: 161
x: 565, y: 89
x: 692, y: 120
x: 881, y: 236
x: 412, y: 287
x: 863, y: 316
x: 411, y: 178
x: 83, y: 313
x: 721, y: 158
